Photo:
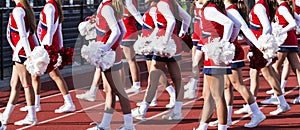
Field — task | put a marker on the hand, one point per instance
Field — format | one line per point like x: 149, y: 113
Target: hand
x: 105, y: 47
x: 250, y: 54
x: 181, y: 33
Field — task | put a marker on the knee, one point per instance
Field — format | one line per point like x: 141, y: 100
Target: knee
x: 226, y: 85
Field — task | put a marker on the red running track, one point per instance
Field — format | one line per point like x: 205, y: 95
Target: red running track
x: 87, y: 112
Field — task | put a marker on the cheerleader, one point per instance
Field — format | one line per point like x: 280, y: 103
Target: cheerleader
x: 22, y: 39
x: 50, y: 36
x: 197, y: 53
x: 149, y: 27
x: 236, y: 11
x: 260, y: 25
x: 215, y: 23
x: 167, y: 11
x: 110, y: 30
x: 129, y: 16
x: 289, y: 49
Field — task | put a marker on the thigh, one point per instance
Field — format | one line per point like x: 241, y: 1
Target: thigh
x: 128, y: 52
x: 23, y: 74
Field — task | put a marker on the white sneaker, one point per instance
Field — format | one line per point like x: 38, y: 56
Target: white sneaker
x: 3, y: 120
x: 280, y: 109
x: 65, y: 109
x: 86, y: 96
x: 189, y: 94
x: 271, y: 100
x: 27, y: 121
x: 172, y: 116
x: 190, y: 84
x: 295, y: 101
x: 3, y: 127
x: 171, y: 103
x: 271, y: 91
x: 152, y: 104
x: 37, y: 108
x: 137, y: 114
x: 117, y: 98
x: 98, y: 127
x: 215, y: 123
x: 134, y: 90
x: 244, y: 110
x: 126, y: 128
x: 255, y: 120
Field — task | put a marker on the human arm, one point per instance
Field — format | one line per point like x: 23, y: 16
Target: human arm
x: 133, y: 11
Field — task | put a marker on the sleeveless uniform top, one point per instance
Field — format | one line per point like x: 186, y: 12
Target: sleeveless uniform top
x: 291, y: 39
x: 197, y: 23
x: 255, y: 25
x: 129, y: 22
x: 14, y: 33
x: 297, y: 11
x: 102, y: 29
x: 148, y: 22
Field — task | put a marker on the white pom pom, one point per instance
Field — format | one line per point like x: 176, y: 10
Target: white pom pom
x: 95, y: 55
x: 277, y: 33
x: 87, y: 29
x: 228, y: 52
x: 297, y: 30
x: 38, y: 61
x: 164, y: 49
x: 59, y: 61
x: 268, y: 46
x: 213, y: 50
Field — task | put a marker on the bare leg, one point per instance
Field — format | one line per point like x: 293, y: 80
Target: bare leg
x: 134, y: 69
x: 254, y: 81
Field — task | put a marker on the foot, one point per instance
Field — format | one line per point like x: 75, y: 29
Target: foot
x: 98, y: 127
x: 271, y: 100
x: 134, y: 90
x: 271, y: 91
x: 190, y: 85
x: 281, y: 109
x: 137, y: 114
x: 3, y: 120
x: 3, y: 127
x: 215, y: 123
x: 172, y: 116
x: 255, y: 120
x: 27, y: 121
x: 152, y: 104
x: 126, y: 128
x: 244, y: 110
x: 37, y: 108
x: 189, y: 94
x: 171, y: 102
x: 295, y: 101
x: 65, y: 109
x: 86, y: 96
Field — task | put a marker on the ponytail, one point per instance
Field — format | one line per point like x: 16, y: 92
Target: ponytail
x: 192, y: 7
x: 219, y: 3
x: 242, y: 8
x: 118, y: 8
x: 176, y: 11
x: 30, y: 16
x: 292, y: 7
x: 272, y: 4
x: 60, y: 13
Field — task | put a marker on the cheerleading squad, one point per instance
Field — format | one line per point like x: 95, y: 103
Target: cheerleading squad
x: 217, y: 24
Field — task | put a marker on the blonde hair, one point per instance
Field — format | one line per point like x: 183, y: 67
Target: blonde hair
x: 118, y: 8
x: 30, y: 16
x: 60, y: 13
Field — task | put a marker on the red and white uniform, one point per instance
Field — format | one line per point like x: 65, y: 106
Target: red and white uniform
x: 149, y: 23
x: 197, y: 24
x: 167, y: 24
x: 18, y: 34
x: 297, y: 14
x: 130, y: 15
x: 284, y: 18
x: 215, y: 24
x: 110, y: 34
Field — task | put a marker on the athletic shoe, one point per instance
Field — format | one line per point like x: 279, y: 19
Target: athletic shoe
x: 98, y: 127
x: 244, y: 110
x: 281, y: 109
x: 65, y: 109
x: 27, y: 121
x: 117, y: 98
x: 215, y: 123
x: 86, y: 96
x: 3, y: 121
x: 271, y: 100
x: 172, y: 116
x: 191, y: 84
x: 37, y: 108
x: 126, y: 128
x: 137, y: 114
x: 189, y: 94
x: 296, y: 101
x: 134, y: 90
x: 255, y: 120
x: 3, y: 127
x: 271, y: 91
x: 171, y: 103
x: 152, y: 104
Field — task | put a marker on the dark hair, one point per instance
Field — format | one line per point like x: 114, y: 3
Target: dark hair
x: 30, y: 16
x: 176, y: 11
x: 272, y: 4
x: 242, y: 8
x: 219, y: 3
x: 292, y: 6
x: 192, y: 7
x: 60, y: 13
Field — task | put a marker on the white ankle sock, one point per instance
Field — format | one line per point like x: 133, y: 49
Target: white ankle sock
x: 68, y: 99
x: 93, y: 90
x: 195, y: 81
x: 281, y: 100
x: 106, y: 119
x: 282, y: 84
x: 203, y: 126
x: 128, y: 120
x: 136, y: 84
x: 171, y: 91
x: 177, y: 107
x: 254, y: 108
x: 155, y: 96
x: 37, y: 100
x: 8, y: 110
x: 31, y: 112
x: 144, y: 107
x: 229, y: 112
x: 222, y: 127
